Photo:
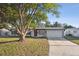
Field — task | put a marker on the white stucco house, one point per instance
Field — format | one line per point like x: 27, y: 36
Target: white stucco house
x: 5, y: 32
x: 49, y: 32
x: 73, y: 31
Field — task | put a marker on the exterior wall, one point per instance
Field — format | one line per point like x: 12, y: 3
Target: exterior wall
x: 41, y: 33
x: 75, y: 33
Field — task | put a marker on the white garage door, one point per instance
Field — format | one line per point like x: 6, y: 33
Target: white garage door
x: 54, y: 33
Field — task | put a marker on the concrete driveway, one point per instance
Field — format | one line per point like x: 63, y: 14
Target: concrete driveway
x: 62, y: 47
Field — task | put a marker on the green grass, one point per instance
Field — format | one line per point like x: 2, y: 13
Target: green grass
x: 73, y: 39
x: 7, y: 39
x: 32, y: 47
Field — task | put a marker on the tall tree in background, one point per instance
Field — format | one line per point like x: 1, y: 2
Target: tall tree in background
x: 56, y: 24
x: 23, y: 16
x: 68, y: 26
x: 48, y: 24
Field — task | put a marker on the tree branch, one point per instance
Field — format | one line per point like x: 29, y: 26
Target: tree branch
x: 27, y: 28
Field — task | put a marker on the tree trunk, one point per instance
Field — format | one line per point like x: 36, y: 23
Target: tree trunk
x: 22, y: 38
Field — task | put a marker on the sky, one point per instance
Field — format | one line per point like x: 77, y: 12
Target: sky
x: 69, y: 14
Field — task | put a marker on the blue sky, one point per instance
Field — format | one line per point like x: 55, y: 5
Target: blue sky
x: 69, y: 13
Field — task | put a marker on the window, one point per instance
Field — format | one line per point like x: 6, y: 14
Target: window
x: 75, y: 31
x: 41, y: 32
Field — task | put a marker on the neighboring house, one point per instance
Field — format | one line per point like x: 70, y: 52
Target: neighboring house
x: 9, y: 33
x: 72, y: 31
x: 5, y: 32
x: 49, y: 32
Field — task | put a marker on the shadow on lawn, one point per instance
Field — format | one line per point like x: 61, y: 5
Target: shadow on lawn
x: 9, y: 42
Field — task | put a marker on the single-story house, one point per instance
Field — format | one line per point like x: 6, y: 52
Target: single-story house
x: 49, y: 32
x: 72, y: 31
x: 5, y: 32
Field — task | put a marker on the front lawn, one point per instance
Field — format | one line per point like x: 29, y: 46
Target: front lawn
x: 73, y: 39
x: 32, y: 47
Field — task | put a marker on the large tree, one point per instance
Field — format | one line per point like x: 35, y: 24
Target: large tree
x: 26, y: 15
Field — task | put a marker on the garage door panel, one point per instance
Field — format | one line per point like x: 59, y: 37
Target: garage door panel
x: 54, y: 33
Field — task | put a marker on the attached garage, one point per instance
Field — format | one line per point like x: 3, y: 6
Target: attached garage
x: 54, y: 33
x: 49, y: 32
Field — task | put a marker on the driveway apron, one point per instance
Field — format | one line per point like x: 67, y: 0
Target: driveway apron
x: 62, y: 47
